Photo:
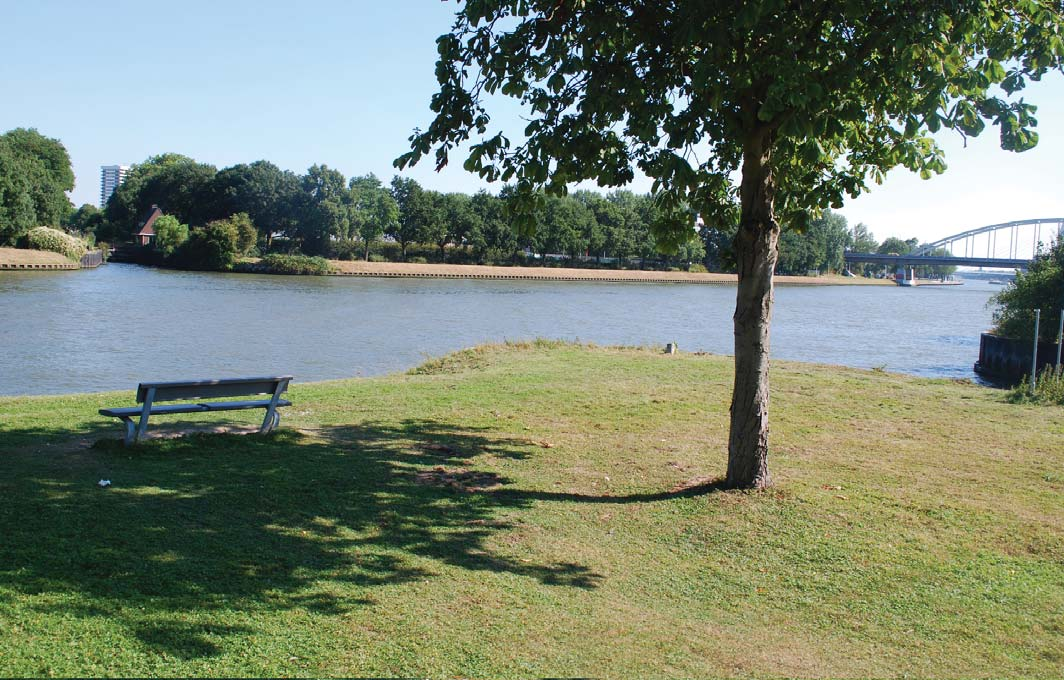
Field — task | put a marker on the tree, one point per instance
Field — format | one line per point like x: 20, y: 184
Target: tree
x: 324, y: 211
x: 213, y: 247
x: 413, y: 212
x: 862, y: 241
x: 807, y: 102
x: 434, y: 226
x: 177, y: 184
x: 18, y: 213
x: 819, y: 247
x: 47, y: 164
x: 270, y: 196
x: 459, y: 217
x: 719, y: 242
x: 35, y: 175
x: 373, y: 210
x: 246, y: 233
x: 170, y: 235
x: 607, y: 235
x: 895, y: 246
x: 85, y: 220
x: 1041, y: 287
x: 490, y: 235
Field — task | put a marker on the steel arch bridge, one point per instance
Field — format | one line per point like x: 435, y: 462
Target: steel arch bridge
x: 1008, y: 244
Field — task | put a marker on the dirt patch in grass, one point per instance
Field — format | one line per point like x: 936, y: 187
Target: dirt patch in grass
x: 460, y: 479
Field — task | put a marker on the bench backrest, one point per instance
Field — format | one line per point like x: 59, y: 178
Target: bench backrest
x: 210, y: 389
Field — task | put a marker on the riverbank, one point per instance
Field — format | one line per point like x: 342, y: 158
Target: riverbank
x: 541, y: 509
x: 20, y: 258
x: 457, y: 271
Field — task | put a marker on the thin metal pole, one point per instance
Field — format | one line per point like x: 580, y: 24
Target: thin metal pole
x: 1034, y: 351
x: 1060, y: 339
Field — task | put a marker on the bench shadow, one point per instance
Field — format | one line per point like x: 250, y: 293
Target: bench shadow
x: 190, y: 526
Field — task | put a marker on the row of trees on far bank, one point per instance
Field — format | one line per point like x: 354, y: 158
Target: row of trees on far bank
x: 324, y: 213
x: 213, y: 217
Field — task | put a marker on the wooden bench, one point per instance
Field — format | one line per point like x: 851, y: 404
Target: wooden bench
x: 149, y: 394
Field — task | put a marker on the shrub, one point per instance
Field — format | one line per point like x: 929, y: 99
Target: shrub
x: 346, y: 249
x: 1048, y: 389
x: 697, y: 268
x: 374, y: 257
x: 417, y: 260
x: 1041, y: 287
x: 292, y: 264
x: 246, y: 233
x: 46, y: 238
x: 169, y: 235
x: 213, y: 247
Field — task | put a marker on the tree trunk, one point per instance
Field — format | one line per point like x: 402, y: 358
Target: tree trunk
x: 366, y: 259
x: 756, y: 251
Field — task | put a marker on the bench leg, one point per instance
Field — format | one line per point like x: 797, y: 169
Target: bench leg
x: 143, y: 427
x: 131, y: 430
x: 272, y: 419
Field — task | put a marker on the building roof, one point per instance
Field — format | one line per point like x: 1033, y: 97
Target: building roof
x: 148, y: 228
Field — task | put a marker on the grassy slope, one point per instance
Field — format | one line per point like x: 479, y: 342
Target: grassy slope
x: 528, y: 512
x: 22, y: 256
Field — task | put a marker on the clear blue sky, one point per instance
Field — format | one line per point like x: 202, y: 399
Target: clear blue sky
x: 345, y: 82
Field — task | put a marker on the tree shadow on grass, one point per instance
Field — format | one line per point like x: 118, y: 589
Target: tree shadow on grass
x: 196, y: 530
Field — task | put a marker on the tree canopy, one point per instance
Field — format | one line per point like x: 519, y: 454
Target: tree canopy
x: 807, y: 102
x: 35, y: 175
x: 1040, y: 287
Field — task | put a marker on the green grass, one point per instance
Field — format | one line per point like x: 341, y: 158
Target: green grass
x: 541, y: 509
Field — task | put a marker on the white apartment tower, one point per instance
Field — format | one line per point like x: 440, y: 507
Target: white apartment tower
x: 110, y: 177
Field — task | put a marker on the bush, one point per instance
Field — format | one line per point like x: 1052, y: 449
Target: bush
x: 213, y: 247
x: 697, y: 268
x: 346, y: 249
x: 1048, y: 389
x: 169, y: 235
x: 374, y: 257
x: 1041, y: 287
x: 53, y: 240
x: 290, y: 264
x: 417, y: 260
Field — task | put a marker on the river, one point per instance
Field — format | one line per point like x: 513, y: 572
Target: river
x: 112, y: 327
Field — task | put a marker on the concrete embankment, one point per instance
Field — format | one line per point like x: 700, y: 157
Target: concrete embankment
x: 454, y: 271
x: 19, y: 259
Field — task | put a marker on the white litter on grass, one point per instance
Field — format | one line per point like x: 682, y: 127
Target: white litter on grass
x: 104, y: 482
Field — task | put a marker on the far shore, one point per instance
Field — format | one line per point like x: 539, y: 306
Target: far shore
x: 20, y: 258
x: 466, y: 271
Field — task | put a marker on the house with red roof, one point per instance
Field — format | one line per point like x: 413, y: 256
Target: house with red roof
x: 147, y: 228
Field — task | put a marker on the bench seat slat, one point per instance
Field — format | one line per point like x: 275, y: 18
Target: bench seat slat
x: 164, y: 409
x: 161, y: 409
x: 240, y: 405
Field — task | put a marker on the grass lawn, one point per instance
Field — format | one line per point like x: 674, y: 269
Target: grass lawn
x: 544, y: 509
x: 15, y: 256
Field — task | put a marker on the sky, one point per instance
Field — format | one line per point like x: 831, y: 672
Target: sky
x: 345, y: 82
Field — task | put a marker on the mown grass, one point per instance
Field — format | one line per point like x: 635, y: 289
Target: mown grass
x: 541, y: 509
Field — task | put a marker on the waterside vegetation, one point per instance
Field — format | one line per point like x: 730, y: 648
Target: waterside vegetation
x: 507, y: 511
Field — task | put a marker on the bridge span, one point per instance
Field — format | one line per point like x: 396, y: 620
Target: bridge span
x: 1010, y: 245
x: 918, y: 260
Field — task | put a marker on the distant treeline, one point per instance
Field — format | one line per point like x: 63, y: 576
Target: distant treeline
x: 215, y: 217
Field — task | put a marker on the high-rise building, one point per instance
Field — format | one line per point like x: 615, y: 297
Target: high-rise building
x: 110, y: 177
